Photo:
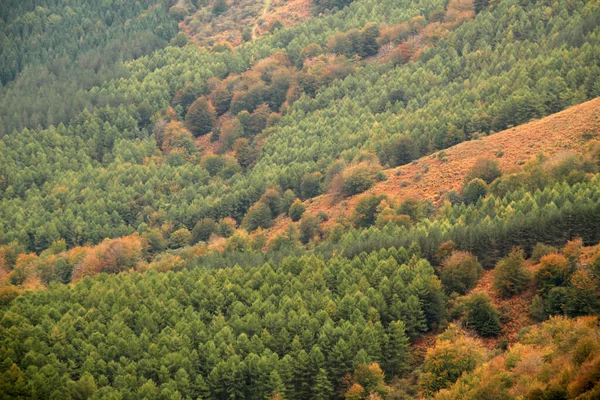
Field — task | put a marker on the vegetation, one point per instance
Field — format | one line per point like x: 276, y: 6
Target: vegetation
x: 482, y: 316
x: 459, y: 272
x: 559, y: 344
x: 454, y: 353
x: 511, y: 277
x: 252, y: 332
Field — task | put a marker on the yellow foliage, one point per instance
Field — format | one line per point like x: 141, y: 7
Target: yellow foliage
x: 529, y: 368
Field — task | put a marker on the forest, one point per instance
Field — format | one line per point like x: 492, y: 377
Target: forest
x: 159, y: 166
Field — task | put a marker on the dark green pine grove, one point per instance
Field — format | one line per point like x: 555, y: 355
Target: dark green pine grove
x: 295, y: 328
x: 106, y: 172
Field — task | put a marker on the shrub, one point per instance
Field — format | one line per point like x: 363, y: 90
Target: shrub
x: 416, y: 209
x: 459, y: 272
x: 296, y: 210
x: 554, y: 303
x: 356, y: 180
x: 554, y: 271
x: 258, y: 216
x: 8, y: 294
x: 370, y: 378
x: 310, y: 186
x: 444, y: 251
x: 273, y: 199
x: 226, y: 227
x: 180, y: 238
x: 381, y: 176
x: 203, y: 229
x: 399, y: 151
x: 220, y: 7
x: 452, y: 355
x: 474, y: 190
x: 537, y: 309
x: 288, y: 198
x: 454, y: 197
x: 485, y: 169
x: 322, y: 215
x: 154, y: 241
x: 583, y: 296
x: 200, y: 117
x: 540, y: 250
x: 482, y: 316
x: 510, y: 275
x: 572, y: 251
x: 310, y: 226
x: 365, y: 211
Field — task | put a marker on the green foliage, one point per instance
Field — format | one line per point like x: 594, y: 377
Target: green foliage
x: 416, y: 209
x: 310, y: 226
x: 553, y: 271
x: 397, y: 349
x: 537, y: 309
x: 356, y: 180
x: 540, y: 250
x: 201, y: 332
x: 452, y: 355
x: 558, y: 344
x: 311, y: 185
x: 485, y: 169
x: 459, y: 272
x: 510, y: 275
x: 105, y: 148
x: 180, y: 238
x: 155, y: 241
x: 482, y: 316
x: 203, y: 230
x: 296, y: 210
x: 365, y: 210
x: 474, y: 190
x: 399, y: 151
x: 258, y: 216
x: 200, y: 117
x: 220, y: 7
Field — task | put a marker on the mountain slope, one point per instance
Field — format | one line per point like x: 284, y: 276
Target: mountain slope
x: 430, y: 178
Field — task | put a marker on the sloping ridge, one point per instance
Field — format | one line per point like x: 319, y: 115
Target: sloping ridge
x: 430, y: 177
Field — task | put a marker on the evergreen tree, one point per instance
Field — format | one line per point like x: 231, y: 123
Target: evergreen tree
x: 396, y: 353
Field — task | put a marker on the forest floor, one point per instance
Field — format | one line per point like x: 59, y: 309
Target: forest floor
x: 514, y: 311
x: 430, y: 178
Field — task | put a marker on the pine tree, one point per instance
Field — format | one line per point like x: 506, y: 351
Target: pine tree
x: 322, y: 389
x: 275, y: 385
x: 397, y: 349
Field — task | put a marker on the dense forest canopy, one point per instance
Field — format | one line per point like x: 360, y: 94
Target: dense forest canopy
x: 459, y: 81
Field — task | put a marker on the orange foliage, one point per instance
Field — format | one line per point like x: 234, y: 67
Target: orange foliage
x: 572, y: 250
x: 176, y: 136
x: 166, y: 262
x: 355, y: 392
x: 111, y: 256
x: 553, y: 264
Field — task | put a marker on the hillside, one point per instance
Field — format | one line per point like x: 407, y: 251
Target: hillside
x: 431, y: 178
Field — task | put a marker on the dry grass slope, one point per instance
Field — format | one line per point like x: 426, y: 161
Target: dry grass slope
x: 430, y: 178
